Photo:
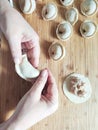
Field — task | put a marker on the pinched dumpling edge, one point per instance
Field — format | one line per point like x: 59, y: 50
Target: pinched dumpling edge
x: 82, y: 25
x: 67, y: 4
x: 76, y: 15
x: 90, y: 14
x: 63, y: 51
x: 51, y: 17
x: 72, y: 97
x: 18, y: 70
x: 58, y: 34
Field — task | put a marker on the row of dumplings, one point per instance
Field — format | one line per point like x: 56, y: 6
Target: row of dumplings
x: 88, y: 7
x: 64, y: 30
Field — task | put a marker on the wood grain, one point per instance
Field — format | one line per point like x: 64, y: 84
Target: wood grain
x: 81, y: 57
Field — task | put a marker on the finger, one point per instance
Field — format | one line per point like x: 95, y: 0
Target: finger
x: 15, y: 46
x: 33, y: 55
x: 40, y: 83
x: 52, y: 91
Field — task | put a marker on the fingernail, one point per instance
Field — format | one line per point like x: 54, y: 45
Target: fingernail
x: 17, y: 61
x: 44, y: 73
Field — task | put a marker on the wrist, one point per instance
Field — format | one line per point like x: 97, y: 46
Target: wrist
x: 9, y: 125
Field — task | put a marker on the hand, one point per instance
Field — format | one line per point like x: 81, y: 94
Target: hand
x: 39, y: 102
x: 20, y: 35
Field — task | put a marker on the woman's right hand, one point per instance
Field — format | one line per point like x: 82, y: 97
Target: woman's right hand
x: 39, y: 102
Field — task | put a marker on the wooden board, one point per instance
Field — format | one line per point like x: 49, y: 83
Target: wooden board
x: 81, y: 57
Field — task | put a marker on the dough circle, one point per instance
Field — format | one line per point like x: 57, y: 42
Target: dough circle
x: 25, y: 70
x: 67, y: 87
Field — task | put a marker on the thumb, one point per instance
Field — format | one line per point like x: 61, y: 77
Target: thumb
x: 15, y: 46
x: 40, y: 83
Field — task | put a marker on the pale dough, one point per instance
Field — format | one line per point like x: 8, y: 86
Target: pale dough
x: 73, y: 97
x: 49, y: 11
x: 25, y: 70
x: 27, y: 6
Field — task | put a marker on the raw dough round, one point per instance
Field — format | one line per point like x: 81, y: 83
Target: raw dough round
x: 56, y: 51
x: 27, y: 6
x: 66, y: 2
x: 25, y: 70
x: 88, y: 29
x: 64, y: 31
x: 71, y: 15
x: 88, y: 7
x: 77, y: 88
x: 49, y: 11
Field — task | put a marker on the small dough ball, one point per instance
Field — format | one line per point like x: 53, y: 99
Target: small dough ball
x: 77, y: 88
x: 88, y: 7
x: 25, y: 70
x: 66, y: 2
x: 56, y: 51
x: 49, y: 11
x: 71, y: 15
x: 64, y: 31
x: 88, y: 29
x: 27, y: 6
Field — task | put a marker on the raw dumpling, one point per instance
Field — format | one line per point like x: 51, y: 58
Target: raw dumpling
x: 71, y: 15
x: 88, y: 29
x: 64, y: 30
x: 25, y: 70
x: 66, y: 2
x: 49, y: 11
x: 88, y: 7
x: 77, y: 88
x: 27, y: 6
x: 56, y: 51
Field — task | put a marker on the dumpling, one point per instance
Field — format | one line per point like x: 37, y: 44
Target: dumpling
x: 77, y: 88
x: 71, y: 15
x: 49, y: 11
x: 27, y: 6
x: 25, y: 70
x: 88, y: 29
x: 88, y: 7
x: 64, y: 31
x: 66, y: 2
x: 56, y: 51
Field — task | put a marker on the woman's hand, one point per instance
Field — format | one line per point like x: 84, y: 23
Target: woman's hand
x: 20, y: 35
x: 39, y: 102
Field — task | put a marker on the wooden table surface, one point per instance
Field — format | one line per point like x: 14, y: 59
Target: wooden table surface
x: 81, y: 57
